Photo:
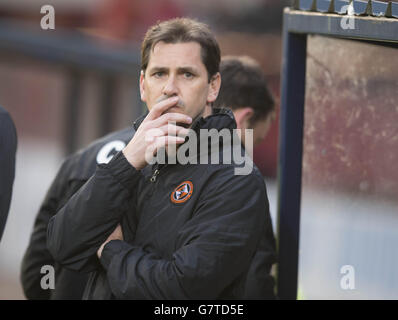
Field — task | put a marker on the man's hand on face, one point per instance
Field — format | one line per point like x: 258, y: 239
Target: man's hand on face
x: 117, y: 234
x: 156, y: 131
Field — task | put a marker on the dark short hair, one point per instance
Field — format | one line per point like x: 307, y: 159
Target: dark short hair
x: 243, y: 84
x: 181, y: 30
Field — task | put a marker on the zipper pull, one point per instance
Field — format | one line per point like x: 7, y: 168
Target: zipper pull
x: 155, y: 174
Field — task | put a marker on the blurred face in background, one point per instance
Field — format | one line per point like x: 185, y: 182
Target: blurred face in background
x: 261, y: 128
x: 176, y: 69
x: 244, y: 120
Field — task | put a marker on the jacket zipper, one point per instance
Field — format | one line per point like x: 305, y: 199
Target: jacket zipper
x: 154, y: 175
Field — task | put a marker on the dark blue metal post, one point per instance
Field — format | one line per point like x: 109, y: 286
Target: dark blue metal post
x: 290, y: 160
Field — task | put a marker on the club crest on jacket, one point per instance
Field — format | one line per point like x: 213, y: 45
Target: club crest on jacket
x: 182, y: 193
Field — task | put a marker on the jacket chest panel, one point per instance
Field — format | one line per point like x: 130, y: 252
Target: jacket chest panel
x: 163, y: 208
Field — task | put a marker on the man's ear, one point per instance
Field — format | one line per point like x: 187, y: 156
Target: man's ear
x: 243, y: 116
x: 215, y: 84
x: 142, y: 86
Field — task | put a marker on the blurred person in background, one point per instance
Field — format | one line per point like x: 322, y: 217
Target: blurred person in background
x: 244, y: 89
x: 8, y: 148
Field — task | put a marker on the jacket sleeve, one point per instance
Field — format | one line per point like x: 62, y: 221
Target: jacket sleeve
x: 79, y: 228
x: 260, y: 283
x: 37, y: 254
x: 8, y: 147
x: 214, y: 248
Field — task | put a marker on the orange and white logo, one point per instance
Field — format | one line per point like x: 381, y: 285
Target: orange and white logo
x: 182, y: 193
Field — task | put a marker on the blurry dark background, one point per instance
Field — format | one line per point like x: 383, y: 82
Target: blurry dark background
x: 68, y: 86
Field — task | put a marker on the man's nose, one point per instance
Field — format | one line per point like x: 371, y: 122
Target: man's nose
x: 170, y: 87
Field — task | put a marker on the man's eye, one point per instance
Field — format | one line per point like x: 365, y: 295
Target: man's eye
x: 158, y: 74
x: 188, y: 75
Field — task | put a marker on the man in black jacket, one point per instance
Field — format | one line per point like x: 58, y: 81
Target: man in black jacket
x: 77, y: 170
x: 8, y: 147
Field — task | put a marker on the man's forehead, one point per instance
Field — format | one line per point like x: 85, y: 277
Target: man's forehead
x: 184, y: 53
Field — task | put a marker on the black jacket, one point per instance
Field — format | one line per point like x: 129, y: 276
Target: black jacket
x: 73, y: 174
x: 8, y: 148
x: 191, y: 256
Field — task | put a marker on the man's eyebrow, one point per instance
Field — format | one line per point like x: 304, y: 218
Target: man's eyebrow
x: 187, y: 69
x: 190, y: 69
x: 157, y: 69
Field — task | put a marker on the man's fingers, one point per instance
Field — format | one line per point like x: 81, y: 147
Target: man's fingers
x: 166, y: 130
x: 161, y: 107
x: 170, y: 117
x: 118, y: 232
x: 160, y: 142
x: 164, y: 141
x: 171, y: 129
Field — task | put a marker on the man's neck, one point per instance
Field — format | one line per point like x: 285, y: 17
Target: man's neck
x: 207, y: 111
